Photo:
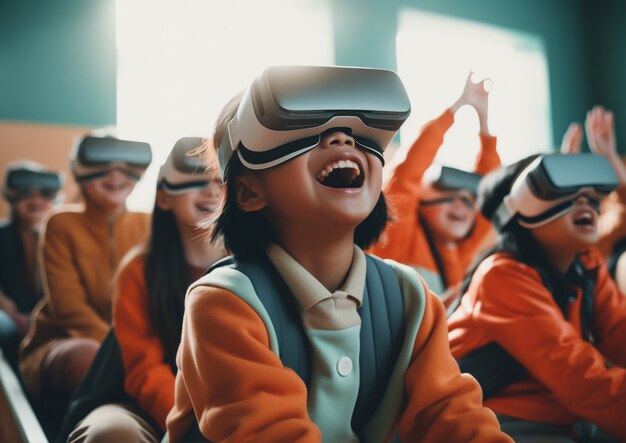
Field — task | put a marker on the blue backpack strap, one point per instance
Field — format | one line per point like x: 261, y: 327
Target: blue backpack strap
x: 281, y: 306
x: 382, y: 336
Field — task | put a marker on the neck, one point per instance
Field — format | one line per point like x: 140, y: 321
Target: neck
x: 560, y: 259
x: 198, y: 251
x: 327, y: 258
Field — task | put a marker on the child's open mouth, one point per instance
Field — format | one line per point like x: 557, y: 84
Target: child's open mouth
x: 584, y: 219
x: 114, y: 186
x: 341, y: 174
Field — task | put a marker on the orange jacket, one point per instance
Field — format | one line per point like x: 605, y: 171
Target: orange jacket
x: 81, y: 251
x: 568, y: 378
x: 240, y: 391
x: 149, y: 378
x: 404, y: 239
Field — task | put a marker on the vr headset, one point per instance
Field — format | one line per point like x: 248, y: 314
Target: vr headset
x: 23, y: 181
x: 445, y: 178
x: 286, y: 109
x: 96, y: 156
x: 184, y: 170
x: 549, y: 186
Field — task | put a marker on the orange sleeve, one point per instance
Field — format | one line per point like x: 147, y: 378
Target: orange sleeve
x: 68, y: 300
x: 409, y: 164
x: 149, y: 379
x: 403, y: 184
x: 481, y: 237
x: 443, y: 404
x: 519, y: 313
x: 612, y: 221
x: 225, y: 356
x: 610, y: 319
x: 488, y: 158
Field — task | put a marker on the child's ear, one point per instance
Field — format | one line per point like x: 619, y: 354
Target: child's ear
x: 250, y: 195
x: 163, y: 201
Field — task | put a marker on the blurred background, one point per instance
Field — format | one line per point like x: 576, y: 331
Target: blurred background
x: 159, y: 70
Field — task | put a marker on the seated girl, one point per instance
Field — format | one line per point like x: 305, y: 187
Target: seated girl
x: 542, y: 325
x: 149, y: 302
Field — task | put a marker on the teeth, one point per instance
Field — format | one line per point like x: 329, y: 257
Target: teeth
x: 341, y: 164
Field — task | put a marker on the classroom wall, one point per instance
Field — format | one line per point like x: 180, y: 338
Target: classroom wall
x: 58, y: 59
x: 57, y: 79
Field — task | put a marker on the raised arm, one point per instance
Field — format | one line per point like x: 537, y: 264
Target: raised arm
x: 476, y: 95
x: 600, y: 129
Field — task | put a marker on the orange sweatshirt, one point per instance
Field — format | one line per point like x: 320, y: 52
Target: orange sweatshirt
x: 239, y: 389
x: 405, y: 239
x: 568, y: 378
x: 149, y: 378
x: 81, y: 251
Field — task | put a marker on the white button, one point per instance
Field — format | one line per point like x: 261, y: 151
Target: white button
x: 344, y: 366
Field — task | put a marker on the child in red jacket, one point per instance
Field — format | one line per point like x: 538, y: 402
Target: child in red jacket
x: 304, y: 337
x: 435, y: 227
x: 542, y: 325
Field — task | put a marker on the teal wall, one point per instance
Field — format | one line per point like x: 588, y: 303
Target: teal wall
x: 606, y: 59
x: 560, y: 23
x: 58, y: 61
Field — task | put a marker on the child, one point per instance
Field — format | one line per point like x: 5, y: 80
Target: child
x: 435, y: 228
x: 31, y: 191
x: 305, y: 338
x: 149, y: 301
x: 81, y: 249
x: 542, y: 325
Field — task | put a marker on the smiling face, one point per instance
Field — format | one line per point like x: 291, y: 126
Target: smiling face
x: 191, y: 208
x: 110, y: 192
x: 448, y: 215
x: 572, y: 232
x: 328, y: 190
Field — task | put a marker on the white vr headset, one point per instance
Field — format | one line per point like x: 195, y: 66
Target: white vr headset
x: 184, y: 170
x: 550, y: 185
x: 286, y: 110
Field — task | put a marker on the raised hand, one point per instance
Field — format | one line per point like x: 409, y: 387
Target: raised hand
x: 572, y: 139
x: 601, y: 138
x: 601, y: 132
x: 475, y: 95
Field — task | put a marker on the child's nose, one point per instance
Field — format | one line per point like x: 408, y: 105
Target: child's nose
x: 338, y: 138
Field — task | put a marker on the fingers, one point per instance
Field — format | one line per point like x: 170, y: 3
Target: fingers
x: 599, y: 126
x: 572, y: 139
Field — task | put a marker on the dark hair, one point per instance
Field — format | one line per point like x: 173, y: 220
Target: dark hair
x: 166, y: 280
x: 247, y: 234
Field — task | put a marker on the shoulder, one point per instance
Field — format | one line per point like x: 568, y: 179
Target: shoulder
x: 133, y: 263
x: 502, y: 265
x: 138, y: 218
x: 65, y: 213
x: 412, y: 286
x: 506, y: 283
x: 64, y: 218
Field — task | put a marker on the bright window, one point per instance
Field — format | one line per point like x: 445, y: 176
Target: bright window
x: 435, y: 54
x: 180, y: 61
